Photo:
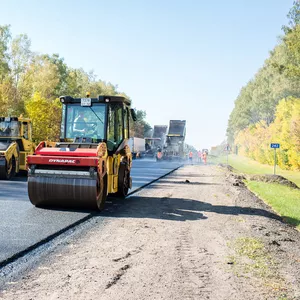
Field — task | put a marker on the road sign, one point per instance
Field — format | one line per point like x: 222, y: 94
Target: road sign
x: 227, y: 148
x: 275, y: 145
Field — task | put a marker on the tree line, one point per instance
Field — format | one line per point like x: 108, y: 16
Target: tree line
x: 31, y: 83
x: 267, y: 108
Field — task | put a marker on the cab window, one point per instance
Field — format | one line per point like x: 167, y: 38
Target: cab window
x: 25, y: 130
x: 126, y: 123
x: 115, y: 126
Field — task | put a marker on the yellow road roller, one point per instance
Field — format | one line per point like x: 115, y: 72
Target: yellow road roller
x: 15, y: 145
x: 91, y: 160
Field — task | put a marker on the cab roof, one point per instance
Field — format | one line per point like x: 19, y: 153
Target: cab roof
x: 100, y: 99
x: 10, y: 119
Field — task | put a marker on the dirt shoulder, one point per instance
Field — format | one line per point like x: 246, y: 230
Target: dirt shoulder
x: 191, y: 235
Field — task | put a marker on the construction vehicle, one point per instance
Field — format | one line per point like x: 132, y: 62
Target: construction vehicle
x: 150, y: 146
x: 137, y: 147
x: 157, y: 141
x: 92, y: 158
x: 15, y: 145
x: 174, y: 148
x: 160, y: 132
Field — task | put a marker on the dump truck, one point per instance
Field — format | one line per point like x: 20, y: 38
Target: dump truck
x: 157, y: 141
x: 15, y: 145
x: 160, y: 132
x: 174, y: 148
x: 91, y: 160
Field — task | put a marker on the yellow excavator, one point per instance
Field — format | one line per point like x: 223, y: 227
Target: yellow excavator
x: 91, y: 160
x: 15, y: 145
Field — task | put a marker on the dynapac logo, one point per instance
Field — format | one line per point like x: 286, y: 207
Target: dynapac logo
x: 63, y: 161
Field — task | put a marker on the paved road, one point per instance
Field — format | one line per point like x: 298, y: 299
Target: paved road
x: 23, y: 225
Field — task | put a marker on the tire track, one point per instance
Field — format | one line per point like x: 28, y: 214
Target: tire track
x: 194, y: 267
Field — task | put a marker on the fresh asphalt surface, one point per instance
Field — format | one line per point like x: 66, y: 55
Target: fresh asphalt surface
x: 22, y: 225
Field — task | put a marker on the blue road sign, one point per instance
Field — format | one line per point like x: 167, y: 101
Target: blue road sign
x: 275, y: 146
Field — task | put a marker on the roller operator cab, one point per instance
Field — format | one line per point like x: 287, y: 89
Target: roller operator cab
x: 15, y: 145
x: 92, y: 158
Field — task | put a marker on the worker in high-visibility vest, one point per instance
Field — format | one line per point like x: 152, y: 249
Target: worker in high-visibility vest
x: 191, y: 157
x: 204, y: 157
x: 159, y: 154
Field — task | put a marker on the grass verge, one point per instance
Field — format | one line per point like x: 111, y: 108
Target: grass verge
x: 284, y: 200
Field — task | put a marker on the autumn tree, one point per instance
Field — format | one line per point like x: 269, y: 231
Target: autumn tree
x: 267, y: 108
x: 45, y: 116
x: 30, y: 84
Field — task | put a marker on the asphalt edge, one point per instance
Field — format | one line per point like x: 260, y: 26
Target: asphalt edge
x: 46, y: 240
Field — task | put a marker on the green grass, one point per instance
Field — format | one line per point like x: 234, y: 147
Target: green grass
x: 249, y: 166
x: 284, y: 200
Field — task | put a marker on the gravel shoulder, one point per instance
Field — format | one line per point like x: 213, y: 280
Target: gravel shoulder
x: 192, y: 235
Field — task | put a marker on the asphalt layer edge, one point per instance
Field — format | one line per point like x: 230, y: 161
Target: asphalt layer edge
x: 46, y: 240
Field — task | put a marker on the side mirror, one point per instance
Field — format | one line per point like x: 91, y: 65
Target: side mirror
x: 133, y: 114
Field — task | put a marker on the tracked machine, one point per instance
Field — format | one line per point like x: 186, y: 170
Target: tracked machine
x: 15, y: 145
x: 92, y: 158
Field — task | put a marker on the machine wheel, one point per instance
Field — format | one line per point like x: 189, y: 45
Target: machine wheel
x: 123, y: 181
x: 9, y: 169
x: 101, y: 191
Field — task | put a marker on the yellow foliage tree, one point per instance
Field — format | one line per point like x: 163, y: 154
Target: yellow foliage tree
x: 42, y: 76
x: 45, y: 116
x: 254, y: 141
x: 7, y: 106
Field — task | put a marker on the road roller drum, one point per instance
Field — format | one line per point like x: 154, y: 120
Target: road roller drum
x: 65, y: 192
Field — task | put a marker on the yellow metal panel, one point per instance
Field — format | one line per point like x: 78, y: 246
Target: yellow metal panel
x: 28, y: 146
x: 110, y: 184
x: 115, y: 183
x: 110, y: 165
x: 112, y: 172
x: 22, y: 160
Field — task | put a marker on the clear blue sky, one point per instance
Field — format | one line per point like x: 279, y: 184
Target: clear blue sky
x: 176, y: 59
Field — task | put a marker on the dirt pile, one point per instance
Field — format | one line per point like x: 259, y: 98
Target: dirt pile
x: 273, y: 179
x: 238, y: 178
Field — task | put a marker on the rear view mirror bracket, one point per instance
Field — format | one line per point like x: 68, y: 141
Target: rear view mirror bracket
x: 133, y: 114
